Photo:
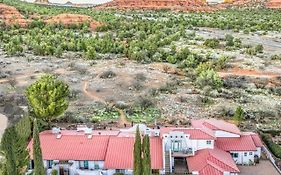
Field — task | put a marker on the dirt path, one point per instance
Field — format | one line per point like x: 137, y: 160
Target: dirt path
x: 248, y: 73
x: 122, y: 120
x: 3, y: 124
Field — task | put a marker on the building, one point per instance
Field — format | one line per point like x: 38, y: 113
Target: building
x: 218, y: 146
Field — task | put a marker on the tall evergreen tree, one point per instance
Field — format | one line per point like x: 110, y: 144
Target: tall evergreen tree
x: 23, y: 133
x: 239, y: 115
x: 8, y: 148
x: 146, y: 162
x: 137, y: 154
x: 37, y: 153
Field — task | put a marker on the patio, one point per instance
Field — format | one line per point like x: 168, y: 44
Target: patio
x: 263, y: 168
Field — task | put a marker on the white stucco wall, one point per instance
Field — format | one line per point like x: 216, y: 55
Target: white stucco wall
x: 225, y: 134
x: 258, y: 152
x: 186, y: 141
x: 242, y: 158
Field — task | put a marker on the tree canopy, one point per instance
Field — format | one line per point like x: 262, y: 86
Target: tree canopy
x: 47, y: 97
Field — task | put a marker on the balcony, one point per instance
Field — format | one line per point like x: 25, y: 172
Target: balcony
x: 182, y: 153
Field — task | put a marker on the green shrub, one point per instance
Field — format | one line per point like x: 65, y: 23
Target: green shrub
x: 212, y: 43
x: 259, y: 48
x: 229, y: 40
x: 274, y: 148
x: 54, y: 172
x: 275, y: 57
x: 209, y: 78
x: 251, y: 51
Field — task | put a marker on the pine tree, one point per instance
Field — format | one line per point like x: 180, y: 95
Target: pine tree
x: 146, y: 162
x: 37, y: 153
x: 47, y: 97
x: 7, y: 146
x: 137, y: 154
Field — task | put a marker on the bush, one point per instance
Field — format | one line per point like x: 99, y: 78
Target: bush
x: 275, y: 57
x: 274, y: 148
x: 108, y: 74
x: 259, y: 48
x: 209, y: 78
x: 54, y: 172
x: 212, y: 43
x: 251, y: 51
x: 229, y: 40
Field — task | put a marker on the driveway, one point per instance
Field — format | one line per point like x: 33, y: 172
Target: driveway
x: 263, y: 168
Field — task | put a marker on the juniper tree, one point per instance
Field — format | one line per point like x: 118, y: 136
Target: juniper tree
x: 37, y: 153
x: 47, y: 97
x: 146, y: 162
x: 137, y: 153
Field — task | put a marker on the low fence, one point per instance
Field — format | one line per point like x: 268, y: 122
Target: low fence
x: 271, y: 157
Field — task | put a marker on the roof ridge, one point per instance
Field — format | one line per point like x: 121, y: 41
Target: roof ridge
x: 202, y: 129
x: 235, y: 168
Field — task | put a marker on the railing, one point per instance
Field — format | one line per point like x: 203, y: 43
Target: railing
x: 182, y: 153
x: 271, y: 158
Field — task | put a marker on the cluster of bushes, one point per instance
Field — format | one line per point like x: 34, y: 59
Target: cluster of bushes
x: 254, y: 50
x: 212, y: 43
x: 105, y: 114
x: 274, y: 148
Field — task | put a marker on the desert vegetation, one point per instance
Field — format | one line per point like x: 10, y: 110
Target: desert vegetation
x: 117, y: 67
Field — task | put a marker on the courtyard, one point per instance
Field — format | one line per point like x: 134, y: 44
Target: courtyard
x: 263, y: 168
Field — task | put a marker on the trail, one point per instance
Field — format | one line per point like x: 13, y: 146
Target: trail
x: 122, y: 119
x: 248, y: 73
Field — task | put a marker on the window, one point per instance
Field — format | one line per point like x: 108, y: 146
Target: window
x: 97, y: 166
x: 234, y: 155
x: 50, y: 163
x: 209, y: 142
x: 86, y: 164
x: 250, y: 153
x: 245, y: 154
x: 120, y: 171
x: 31, y: 165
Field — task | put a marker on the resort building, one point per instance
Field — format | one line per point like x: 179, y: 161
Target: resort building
x: 208, y: 147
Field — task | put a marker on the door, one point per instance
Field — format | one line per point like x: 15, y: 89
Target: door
x: 176, y: 146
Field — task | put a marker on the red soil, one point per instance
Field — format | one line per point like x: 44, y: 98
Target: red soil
x: 249, y: 73
x: 183, y: 5
x: 69, y: 19
x: 274, y: 4
x: 10, y: 16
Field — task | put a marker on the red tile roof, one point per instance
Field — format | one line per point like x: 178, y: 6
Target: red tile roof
x: 214, y: 124
x: 212, y: 162
x: 120, y: 153
x: 256, y: 138
x: 72, y: 147
x: 243, y: 143
x: 195, y: 133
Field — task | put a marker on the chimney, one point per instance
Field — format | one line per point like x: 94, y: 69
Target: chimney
x: 56, y: 130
